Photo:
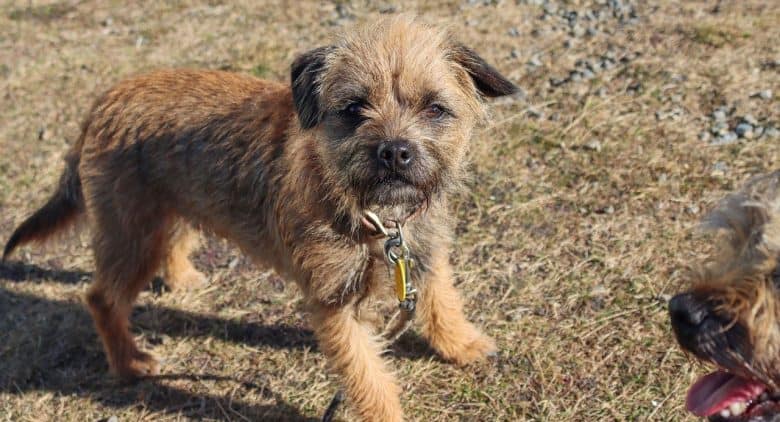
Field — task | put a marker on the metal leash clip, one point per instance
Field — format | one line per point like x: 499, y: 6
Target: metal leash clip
x: 397, y: 253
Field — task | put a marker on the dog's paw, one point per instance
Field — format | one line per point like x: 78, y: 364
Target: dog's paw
x: 191, y: 279
x: 478, y: 349
x: 140, y: 366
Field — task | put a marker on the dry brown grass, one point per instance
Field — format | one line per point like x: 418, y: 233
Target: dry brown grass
x: 568, y: 248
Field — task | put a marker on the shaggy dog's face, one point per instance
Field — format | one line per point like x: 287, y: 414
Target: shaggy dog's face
x: 393, y: 110
x: 731, y: 315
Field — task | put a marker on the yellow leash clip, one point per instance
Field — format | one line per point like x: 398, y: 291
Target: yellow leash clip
x: 402, y: 284
x: 397, y: 253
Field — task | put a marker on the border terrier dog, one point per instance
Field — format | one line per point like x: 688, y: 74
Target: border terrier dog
x: 379, y: 121
x: 731, y: 315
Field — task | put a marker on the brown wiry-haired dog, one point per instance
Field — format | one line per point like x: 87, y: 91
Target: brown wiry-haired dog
x: 378, y: 121
x: 731, y: 315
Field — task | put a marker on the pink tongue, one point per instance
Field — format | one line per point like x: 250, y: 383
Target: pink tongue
x: 718, y: 390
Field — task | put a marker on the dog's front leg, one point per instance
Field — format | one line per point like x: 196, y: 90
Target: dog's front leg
x: 353, y: 353
x: 440, y: 312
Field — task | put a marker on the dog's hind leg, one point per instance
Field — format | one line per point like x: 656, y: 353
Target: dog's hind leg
x: 129, y: 244
x: 179, y: 273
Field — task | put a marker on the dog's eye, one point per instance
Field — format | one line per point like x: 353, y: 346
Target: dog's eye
x: 434, y: 111
x: 353, y: 109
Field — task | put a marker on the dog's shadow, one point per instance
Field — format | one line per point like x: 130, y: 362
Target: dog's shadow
x: 51, y: 345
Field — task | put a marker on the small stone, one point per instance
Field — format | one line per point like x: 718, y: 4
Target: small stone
x: 113, y: 418
x: 533, y: 113
x: 577, y: 31
x: 728, y: 138
x: 587, y: 74
x: 758, y: 131
x: 575, y: 76
x: 634, y: 87
x: 343, y: 12
x: 534, y: 62
x: 629, y: 57
x: 719, y: 115
x: 720, y: 167
x: 749, y: 119
x: 593, y: 145
x: 704, y: 136
x: 764, y: 95
x: 550, y: 8
x: 514, y: 32
x: 571, y: 16
x: 558, y: 81
x: 744, y: 130
x: 720, y: 128
x: 772, y: 133
x: 515, y: 53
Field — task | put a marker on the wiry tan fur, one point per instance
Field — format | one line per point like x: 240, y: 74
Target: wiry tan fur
x: 742, y: 278
x: 287, y: 174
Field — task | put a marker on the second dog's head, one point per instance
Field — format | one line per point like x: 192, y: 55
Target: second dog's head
x: 731, y: 315
x: 392, y: 106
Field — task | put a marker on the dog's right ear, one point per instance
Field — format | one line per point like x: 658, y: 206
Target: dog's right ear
x: 305, y: 78
x: 488, y: 81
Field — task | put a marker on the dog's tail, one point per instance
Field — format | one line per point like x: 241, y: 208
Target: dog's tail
x: 61, y: 210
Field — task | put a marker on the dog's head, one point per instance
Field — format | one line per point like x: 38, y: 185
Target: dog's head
x: 392, y: 106
x: 731, y: 315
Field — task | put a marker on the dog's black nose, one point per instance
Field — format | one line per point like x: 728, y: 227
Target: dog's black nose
x: 687, y: 313
x: 395, y: 155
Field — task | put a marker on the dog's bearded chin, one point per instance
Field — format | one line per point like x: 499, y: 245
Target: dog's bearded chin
x: 723, y: 396
x: 393, y: 192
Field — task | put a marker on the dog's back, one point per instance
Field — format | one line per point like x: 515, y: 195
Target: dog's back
x: 162, y: 142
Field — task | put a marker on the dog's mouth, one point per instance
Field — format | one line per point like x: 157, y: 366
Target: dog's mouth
x: 722, y: 396
x: 395, y: 189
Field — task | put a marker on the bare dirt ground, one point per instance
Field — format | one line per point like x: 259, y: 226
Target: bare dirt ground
x: 572, y: 236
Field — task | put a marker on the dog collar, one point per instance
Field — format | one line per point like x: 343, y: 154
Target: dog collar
x: 376, y: 228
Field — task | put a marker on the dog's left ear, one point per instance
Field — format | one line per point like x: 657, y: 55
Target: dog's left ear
x: 486, y: 78
x: 305, y: 75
